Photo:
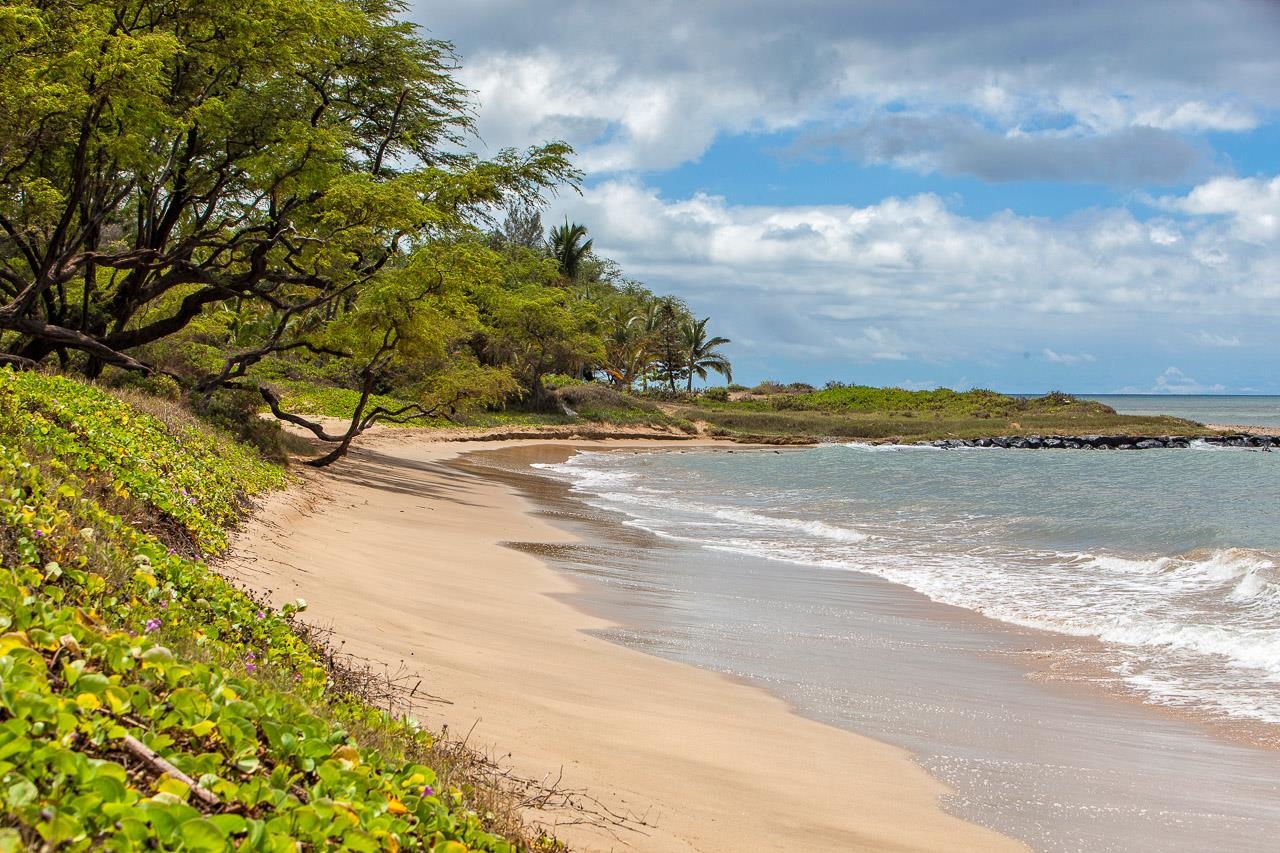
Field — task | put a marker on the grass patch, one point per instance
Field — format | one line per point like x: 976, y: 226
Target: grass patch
x: 879, y: 414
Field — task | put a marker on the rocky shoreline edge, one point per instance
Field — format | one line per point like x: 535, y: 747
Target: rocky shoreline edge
x: 1107, y: 442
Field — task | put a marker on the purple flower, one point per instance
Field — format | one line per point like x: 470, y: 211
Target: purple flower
x: 250, y: 656
x: 251, y: 667
x: 427, y: 790
x: 262, y: 615
x: 152, y: 625
x: 39, y: 533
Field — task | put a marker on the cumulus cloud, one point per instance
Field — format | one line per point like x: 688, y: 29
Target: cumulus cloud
x: 645, y: 85
x: 1174, y: 381
x: 1252, y: 204
x: 911, y: 278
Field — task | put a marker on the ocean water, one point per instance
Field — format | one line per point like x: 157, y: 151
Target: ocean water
x: 1168, y: 558
x: 1238, y: 410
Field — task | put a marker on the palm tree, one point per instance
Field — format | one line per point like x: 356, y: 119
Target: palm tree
x: 568, y: 248
x: 701, y: 352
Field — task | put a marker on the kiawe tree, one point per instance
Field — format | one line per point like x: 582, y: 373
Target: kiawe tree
x: 161, y: 157
x: 288, y: 158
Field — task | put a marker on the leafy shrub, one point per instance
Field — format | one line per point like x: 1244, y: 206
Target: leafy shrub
x: 155, y: 385
x: 769, y: 386
x: 556, y: 381
x: 597, y: 399
x: 716, y: 395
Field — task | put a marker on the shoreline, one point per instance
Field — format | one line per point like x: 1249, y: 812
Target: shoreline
x: 698, y: 761
x: 1071, y: 663
x: 972, y: 699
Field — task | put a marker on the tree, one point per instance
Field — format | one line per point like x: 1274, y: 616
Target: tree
x: 701, y: 354
x: 665, y: 318
x: 569, y: 249
x: 522, y: 226
x: 536, y: 328
x: 160, y: 158
x: 417, y: 315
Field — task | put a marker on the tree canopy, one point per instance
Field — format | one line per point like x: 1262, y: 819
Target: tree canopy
x: 209, y: 189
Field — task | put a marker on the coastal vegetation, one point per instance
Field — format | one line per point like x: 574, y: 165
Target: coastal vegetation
x: 880, y: 414
x: 146, y: 702
x: 236, y: 197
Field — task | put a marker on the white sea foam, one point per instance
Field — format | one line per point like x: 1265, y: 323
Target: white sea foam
x: 1201, y: 627
x: 867, y: 447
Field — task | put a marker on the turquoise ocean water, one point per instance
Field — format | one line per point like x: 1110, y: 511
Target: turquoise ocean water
x: 1240, y: 410
x: 1171, y: 558
x: 1151, y: 575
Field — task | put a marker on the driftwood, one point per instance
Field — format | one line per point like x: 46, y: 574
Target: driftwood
x: 150, y: 757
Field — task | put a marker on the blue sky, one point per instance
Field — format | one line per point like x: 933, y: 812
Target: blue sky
x: 1019, y: 196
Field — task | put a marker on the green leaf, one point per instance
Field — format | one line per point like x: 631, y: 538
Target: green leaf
x: 202, y: 835
x: 21, y: 793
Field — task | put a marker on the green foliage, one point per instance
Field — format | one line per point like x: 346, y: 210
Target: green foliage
x: 716, y: 395
x: 857, y: 411
x: 862, y: 398
x: 107, y: 635
x: 237, y: 412
x: 187, y: 478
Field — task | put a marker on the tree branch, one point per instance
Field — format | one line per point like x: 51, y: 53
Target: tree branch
x: 273, y: 401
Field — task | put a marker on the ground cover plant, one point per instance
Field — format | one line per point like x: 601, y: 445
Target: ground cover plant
x: 144, y: 701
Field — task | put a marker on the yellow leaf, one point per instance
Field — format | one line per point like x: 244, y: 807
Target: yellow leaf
x: 88, y: 702
x: 452, y: 847
x: 347, y: 753
x: 169, y: 785
x: 14, y: 640
x: 118, y: 699
x: 396, y: 807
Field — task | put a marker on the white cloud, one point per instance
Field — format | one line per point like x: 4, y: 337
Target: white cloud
x: 1253, y: 204
x: 647, y: 85
x: 1174, y: 381
x: 1198, y: 115
x: 912, y: 278
x: 1067, y: 358
x: 1208, y: 339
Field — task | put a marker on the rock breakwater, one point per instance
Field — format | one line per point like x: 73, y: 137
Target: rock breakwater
x: 1107, y: 442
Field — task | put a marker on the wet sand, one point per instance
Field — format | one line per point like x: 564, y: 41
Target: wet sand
x: 1011, y: 718
x: 401, y: 553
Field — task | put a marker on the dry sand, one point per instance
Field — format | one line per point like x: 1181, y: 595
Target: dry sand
x: 400, y: 553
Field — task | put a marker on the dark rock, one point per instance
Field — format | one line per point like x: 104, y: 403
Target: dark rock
x: 1149, y: 444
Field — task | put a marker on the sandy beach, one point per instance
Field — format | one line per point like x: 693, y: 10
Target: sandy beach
x: 402, y: 555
